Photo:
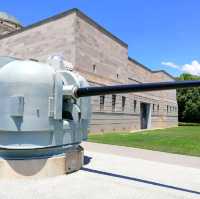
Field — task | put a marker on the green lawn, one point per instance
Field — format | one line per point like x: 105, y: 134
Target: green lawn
x: 180, y: 140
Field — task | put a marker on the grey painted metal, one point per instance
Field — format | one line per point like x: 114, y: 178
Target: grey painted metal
x: 5, y: 60
x: 46, y: 108
x: 32, y: 103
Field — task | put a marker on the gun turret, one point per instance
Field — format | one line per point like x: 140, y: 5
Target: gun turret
x: 51, y: 104
x: 46, y: 108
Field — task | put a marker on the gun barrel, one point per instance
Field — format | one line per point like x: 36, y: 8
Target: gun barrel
x: 128, y: 88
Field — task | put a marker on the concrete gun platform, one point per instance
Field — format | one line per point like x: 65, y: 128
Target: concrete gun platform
x: 116, y: 172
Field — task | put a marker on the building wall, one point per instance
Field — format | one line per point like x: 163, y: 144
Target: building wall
x: 39, y: 42
x: 96, y: 49
x: 103, y: 60
x: 8, y: 27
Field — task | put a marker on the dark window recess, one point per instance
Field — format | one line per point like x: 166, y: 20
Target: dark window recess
x: 94, y: 68
x: 167, y: 108
x: 117, y: 75
x: 102, y: 101
x: 158, y: 107
x: 123, y: 103
x: 79, y: 116
x: 113, y: 102
x: 31, y: 59
x: 153, y: 107
x: 66, y: 114
x: 134, y: 105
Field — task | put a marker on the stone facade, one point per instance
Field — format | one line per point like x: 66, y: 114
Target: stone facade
x: 8, y: 24
x: 103, y: 59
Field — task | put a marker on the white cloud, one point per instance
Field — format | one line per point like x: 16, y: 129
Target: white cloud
x: 193, y: 68
x: 170, y: 64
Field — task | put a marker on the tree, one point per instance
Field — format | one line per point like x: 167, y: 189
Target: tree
x: 189, y: 101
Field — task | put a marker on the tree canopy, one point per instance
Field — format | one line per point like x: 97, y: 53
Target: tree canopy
x: 189, y: 101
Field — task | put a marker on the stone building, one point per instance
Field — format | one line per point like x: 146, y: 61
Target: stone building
x: 8, y: 23
x: 100, y: 57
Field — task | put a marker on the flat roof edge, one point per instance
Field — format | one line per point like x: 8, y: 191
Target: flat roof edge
x: 148, y: 69
x: 100, y: 28
x: 166, y: 73
x: 39, y: 23
x: 66, y: 13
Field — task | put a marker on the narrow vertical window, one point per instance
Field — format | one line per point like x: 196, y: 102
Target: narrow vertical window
x: 167, y: 108
x: 94, y: 68
x: 123, y: 103
x: 158, y: 107
x: 153, y: 107
x: 113, y: 102
x: 102, y: 101
x: 134, y: 105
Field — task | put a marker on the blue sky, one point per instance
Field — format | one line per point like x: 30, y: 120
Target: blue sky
x: 160, y: 34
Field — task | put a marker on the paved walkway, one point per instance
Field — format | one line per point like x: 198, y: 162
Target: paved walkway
x: 118, y: 173
x: 183, y: 160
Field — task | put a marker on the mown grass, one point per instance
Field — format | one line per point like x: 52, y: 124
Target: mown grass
x: 181, y: 140
x: 188, y: 124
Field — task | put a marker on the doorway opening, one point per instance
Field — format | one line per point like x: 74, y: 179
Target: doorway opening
x: 145, y: 115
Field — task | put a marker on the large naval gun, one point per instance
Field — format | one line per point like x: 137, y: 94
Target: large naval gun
x: 45, y: 113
